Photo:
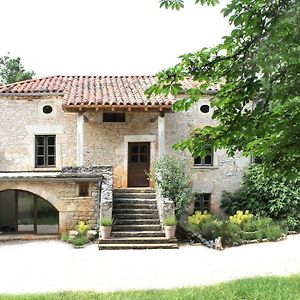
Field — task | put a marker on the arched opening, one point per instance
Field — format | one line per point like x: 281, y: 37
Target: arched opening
x: 24, y: 212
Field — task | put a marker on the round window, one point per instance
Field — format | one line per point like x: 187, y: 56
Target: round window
x: 204, y: 108
x: 47, y: 109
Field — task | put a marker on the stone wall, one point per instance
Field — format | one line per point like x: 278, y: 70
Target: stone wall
x: 21, y: 119
x: 106, y: 143
x: 63, y: 193
x: 225, y: 174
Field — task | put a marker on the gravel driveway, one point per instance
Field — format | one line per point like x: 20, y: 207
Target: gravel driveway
x: 51, y: 266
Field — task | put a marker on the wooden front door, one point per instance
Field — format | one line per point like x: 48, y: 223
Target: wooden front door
x: 138, y: 164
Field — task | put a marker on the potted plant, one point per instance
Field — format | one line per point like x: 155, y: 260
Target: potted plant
x: 170, y: 226
x: 105, y: 227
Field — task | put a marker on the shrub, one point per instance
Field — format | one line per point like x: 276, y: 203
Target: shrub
x: 64, y: 237
x: 82, y: 228
x: 240, y: 218
x: 171, y: 176
x: 198, y: 218
x: 231, y: 233
x: 79, y: 240
x: 106, y: 221
x: 274, y: 232
x: 211, y: 229
x: 267, y: 196
x: 264, y: 228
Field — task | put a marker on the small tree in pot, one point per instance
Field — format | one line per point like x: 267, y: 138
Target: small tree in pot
x: 170, y: 226
x: 105, y: 227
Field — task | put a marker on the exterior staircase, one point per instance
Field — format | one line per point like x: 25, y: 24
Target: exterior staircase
x: 136, y: 222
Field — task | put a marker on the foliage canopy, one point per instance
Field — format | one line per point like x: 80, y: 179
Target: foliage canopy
x: 276, y: 197
x: 257, y: 71
x: 12, y: 70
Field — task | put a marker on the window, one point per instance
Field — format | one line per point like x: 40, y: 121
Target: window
x: 202, y: 202
x: 204, y: 161
x: 83, y: 189
x: 26, y: 212
x: 113, y: 117
x: 204, y: 108
x: 47, y: 109
x: 44, y: 151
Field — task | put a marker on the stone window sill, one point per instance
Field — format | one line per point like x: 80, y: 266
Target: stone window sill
x: 53, y: 169
x: 205, y: 167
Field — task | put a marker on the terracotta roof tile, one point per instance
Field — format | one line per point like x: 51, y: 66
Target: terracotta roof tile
x: 92, y: 90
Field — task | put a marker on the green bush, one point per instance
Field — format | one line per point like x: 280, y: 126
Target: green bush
x: 231, y: 234
x: 211, y: 229
x: 172, y: 177
x: 264, y: 228
x: 79, y: 240
x: 266, y: 196
x: 273, y: 233
x: 250, y: 235
x: 64, y: 237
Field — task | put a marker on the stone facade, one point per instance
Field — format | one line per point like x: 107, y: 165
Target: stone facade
x: 62, y: 191
x: 105, y: 144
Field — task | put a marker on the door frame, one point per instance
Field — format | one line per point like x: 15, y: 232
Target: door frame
x: 137, y: 139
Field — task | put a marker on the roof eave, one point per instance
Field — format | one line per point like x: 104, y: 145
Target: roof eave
x: 118, y: 108
x: 30, y: 94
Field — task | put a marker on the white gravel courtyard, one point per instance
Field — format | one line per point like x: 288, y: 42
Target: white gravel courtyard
x: 52, y: 266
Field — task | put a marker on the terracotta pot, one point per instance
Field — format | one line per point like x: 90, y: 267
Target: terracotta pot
x: 105, y: 232
x: 170, y: 231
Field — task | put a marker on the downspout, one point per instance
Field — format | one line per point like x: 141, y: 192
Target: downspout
x: 99, y: 200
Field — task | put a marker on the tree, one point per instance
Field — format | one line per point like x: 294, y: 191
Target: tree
x: 257, y: 71
x: 12, y: 70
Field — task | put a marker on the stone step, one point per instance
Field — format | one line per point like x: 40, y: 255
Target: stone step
x: 134, y: 206
x: 134, y: 211
x: 125, y: 234
x: 146, y: 227
x: 137, y: 246
x: 134, y: 190
x: 135, y: 195
x: 137, y: 221
x: 135, y: 216
x: 134, y: 201
x: 137, y: 240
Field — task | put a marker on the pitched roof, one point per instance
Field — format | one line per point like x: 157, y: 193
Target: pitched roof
x: 102, y: 92
x: 91, y: 90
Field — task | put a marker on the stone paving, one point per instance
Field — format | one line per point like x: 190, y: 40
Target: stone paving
x: 51, y: 266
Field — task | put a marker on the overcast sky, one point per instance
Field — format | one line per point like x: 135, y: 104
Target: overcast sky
x: 105, y: 37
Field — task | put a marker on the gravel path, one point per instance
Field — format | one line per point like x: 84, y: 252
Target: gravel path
x: 51, y: 266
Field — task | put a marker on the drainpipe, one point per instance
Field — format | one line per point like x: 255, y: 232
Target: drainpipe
x: 99, y: 200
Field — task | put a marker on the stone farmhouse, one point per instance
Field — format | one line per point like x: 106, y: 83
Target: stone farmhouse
x: 70, y: 145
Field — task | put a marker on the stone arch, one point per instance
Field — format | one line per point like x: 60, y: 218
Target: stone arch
x: 36, y: 215
x: 34, y: 189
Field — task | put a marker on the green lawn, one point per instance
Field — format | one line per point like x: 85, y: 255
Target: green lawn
x: 273, y: 288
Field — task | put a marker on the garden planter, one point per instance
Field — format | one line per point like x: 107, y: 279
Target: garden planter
x: 105, y: 231
x: 170, y: 231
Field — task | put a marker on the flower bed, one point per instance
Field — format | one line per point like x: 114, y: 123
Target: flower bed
x: 241, y: 228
